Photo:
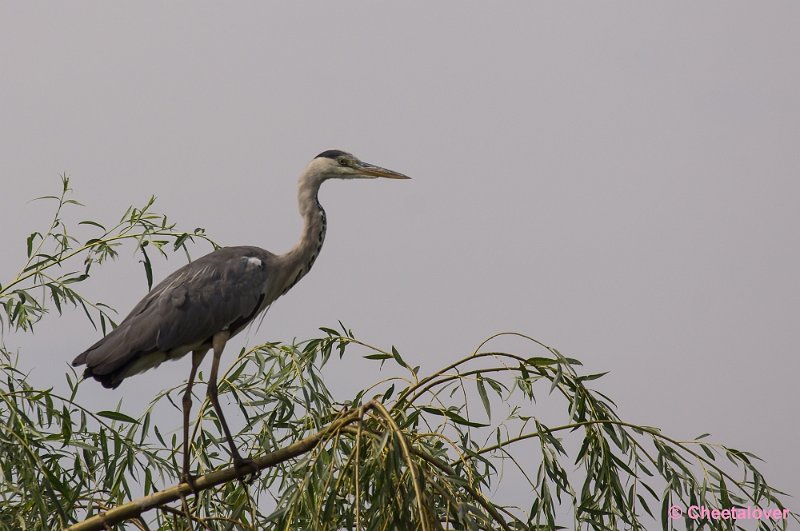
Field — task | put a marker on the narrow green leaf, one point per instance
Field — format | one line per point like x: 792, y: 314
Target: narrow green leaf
x: 557, y: 379
x: 665, y: 506
x: 79, y: 278
x: 181, y: 240
x: 591, y: 377
x: 724, y: 497
x: 455, y: 417
x: 329, y: 331
x: 116, y: 415
x: 90, y: 222
x: 540, y: 362
x: 484, y: 396
x: 30, y: 242
x: 148, y: 267
x: 378, y: 356
x: 399, y: 358
x: 388, y: 394
x: 54, y: 294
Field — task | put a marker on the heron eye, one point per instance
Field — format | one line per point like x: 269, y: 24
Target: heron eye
x: 343, y: 162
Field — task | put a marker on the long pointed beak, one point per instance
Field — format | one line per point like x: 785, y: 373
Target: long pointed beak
x: 376, y: 171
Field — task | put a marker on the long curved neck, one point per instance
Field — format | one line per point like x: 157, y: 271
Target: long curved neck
x: 298, y: 261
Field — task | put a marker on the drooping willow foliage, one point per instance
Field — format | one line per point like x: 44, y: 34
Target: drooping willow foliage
x: 412, y: 451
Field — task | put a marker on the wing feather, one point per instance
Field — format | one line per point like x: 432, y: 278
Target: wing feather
x: 223, y: 288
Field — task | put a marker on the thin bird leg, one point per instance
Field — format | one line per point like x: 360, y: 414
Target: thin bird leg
x: 197, y: 358
x: 218, y: 343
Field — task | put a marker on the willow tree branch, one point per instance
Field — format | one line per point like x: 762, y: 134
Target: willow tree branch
x: 135, y: 508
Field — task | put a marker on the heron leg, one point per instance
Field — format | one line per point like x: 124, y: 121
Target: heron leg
x: 218, y: 344
x: 197, y: 358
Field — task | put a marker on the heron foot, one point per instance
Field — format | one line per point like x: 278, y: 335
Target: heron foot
x: 246, y: 469
x: 186, y: 477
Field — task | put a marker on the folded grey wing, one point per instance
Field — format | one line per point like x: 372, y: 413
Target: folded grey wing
x: 216, y: 292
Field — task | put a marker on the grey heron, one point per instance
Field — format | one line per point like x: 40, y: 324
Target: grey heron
x: 203, y: 304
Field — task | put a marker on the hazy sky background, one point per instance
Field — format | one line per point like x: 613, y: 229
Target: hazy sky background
x: 617, y: 179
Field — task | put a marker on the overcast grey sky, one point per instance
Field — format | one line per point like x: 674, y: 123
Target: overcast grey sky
x: 617, y: 179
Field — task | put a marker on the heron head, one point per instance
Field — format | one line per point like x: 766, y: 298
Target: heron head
x: 336, y: 164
